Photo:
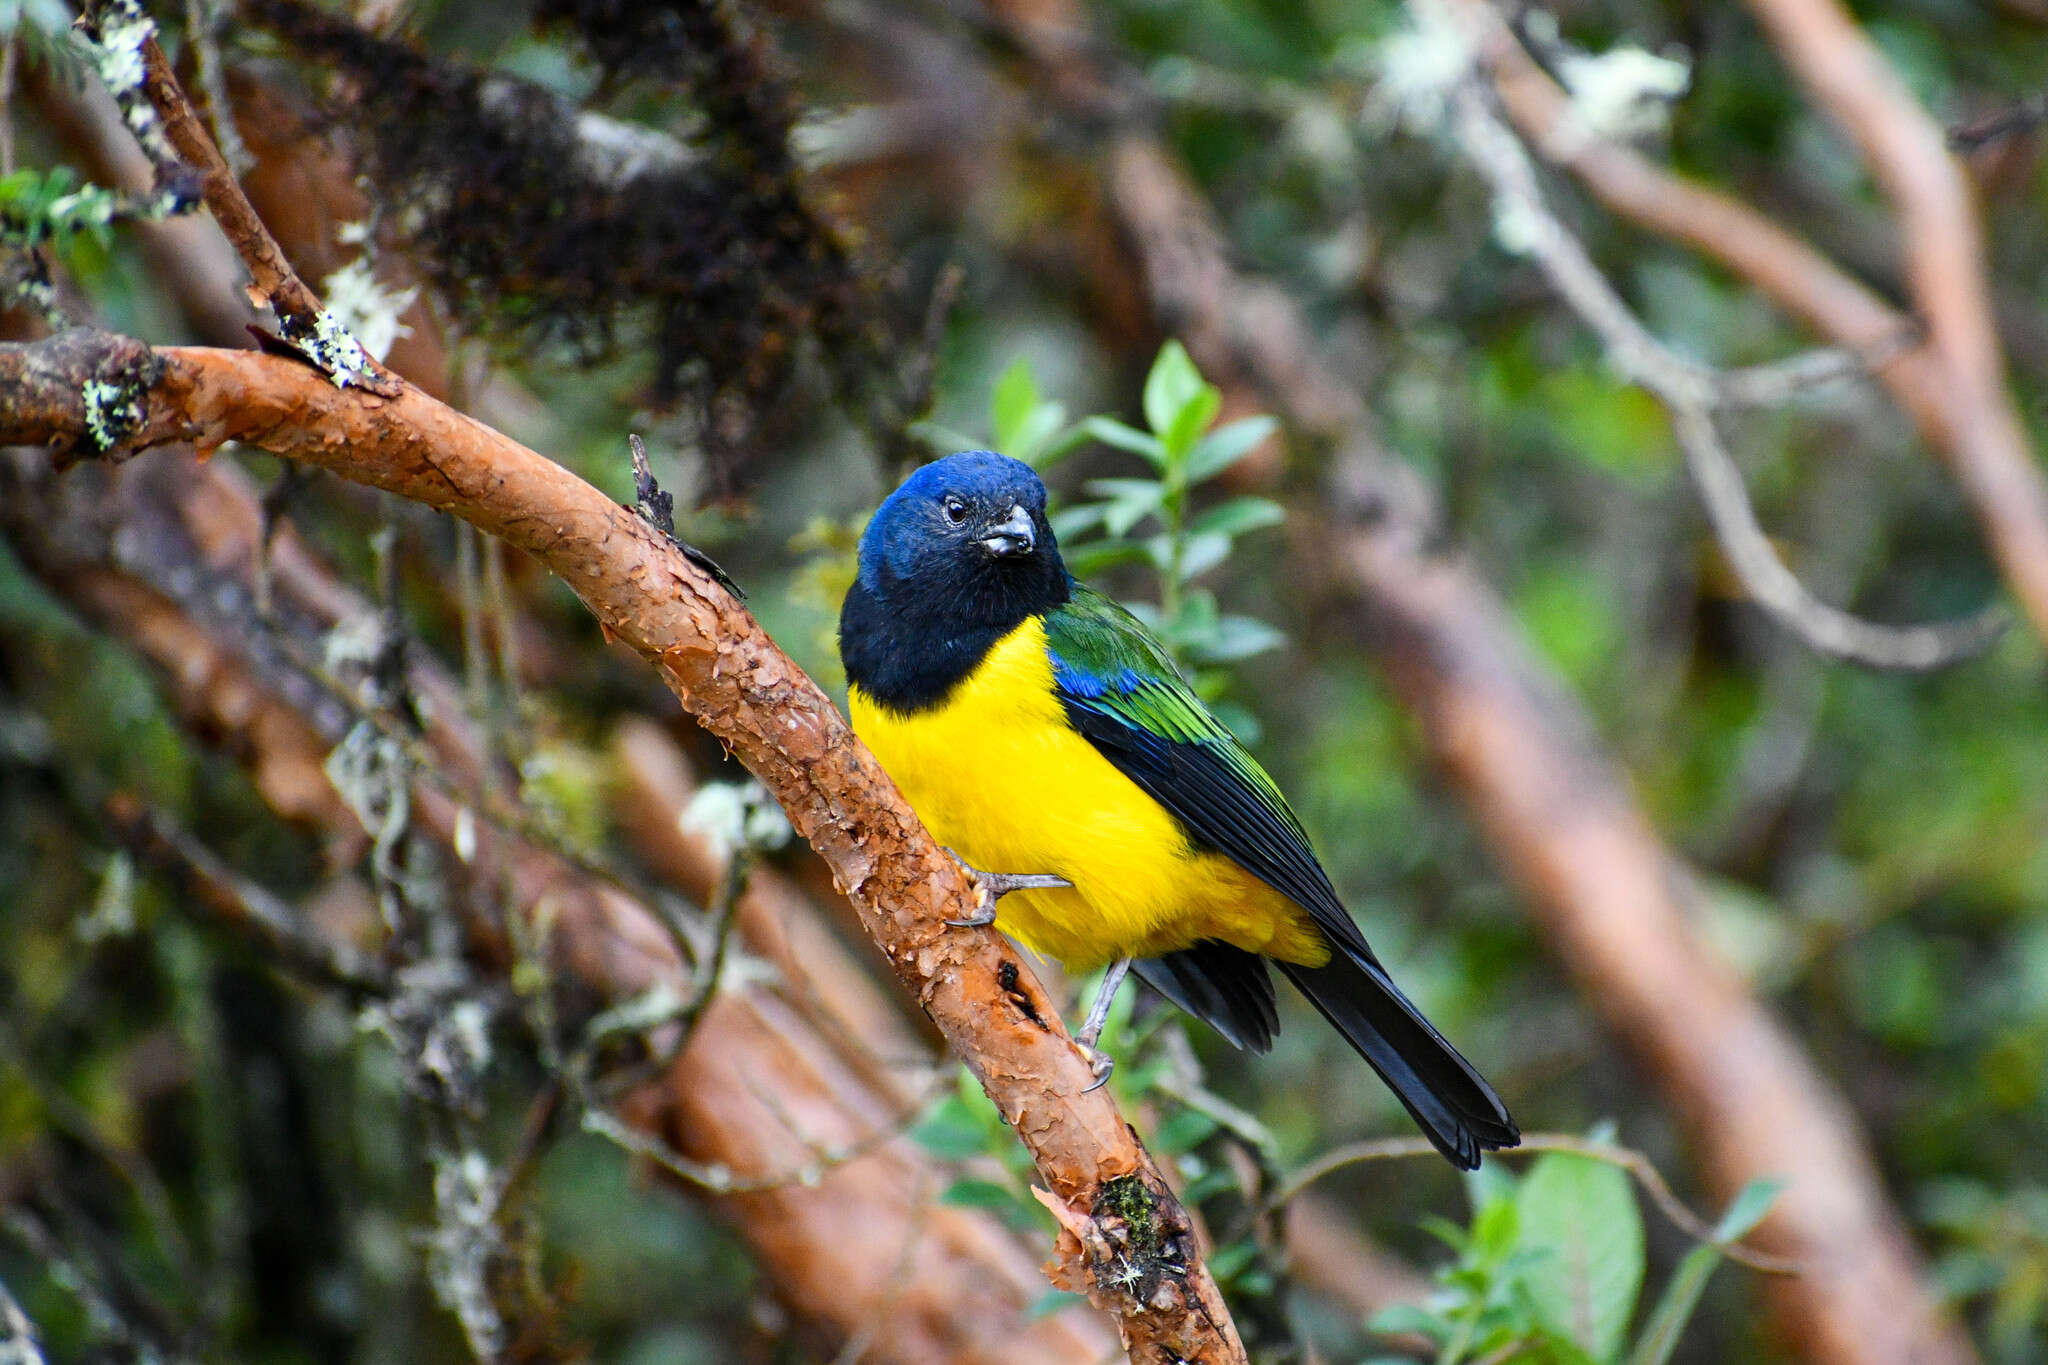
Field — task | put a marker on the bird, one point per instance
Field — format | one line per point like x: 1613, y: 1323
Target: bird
x: 1041, y: 731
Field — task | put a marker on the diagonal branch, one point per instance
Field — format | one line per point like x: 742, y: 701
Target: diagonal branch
x: 734, y: 680
x: 162, y: 555
x: 1689, y: 395
x: 1953, y: 386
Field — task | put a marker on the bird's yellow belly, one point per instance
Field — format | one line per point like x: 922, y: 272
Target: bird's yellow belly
x: 998, y: 775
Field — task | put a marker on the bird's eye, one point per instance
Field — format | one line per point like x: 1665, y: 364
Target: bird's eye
x: 956, y: 511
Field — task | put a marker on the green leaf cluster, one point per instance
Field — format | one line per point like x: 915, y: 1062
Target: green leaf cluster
x: 1550, y: 1269
x: 1160, y: 519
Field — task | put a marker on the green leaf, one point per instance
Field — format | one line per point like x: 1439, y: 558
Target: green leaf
x: 1069, y: 522
x: 1496, y: 1230
x: 1060, y: 445
x: 1580, y: 1214
x: 1408, y: 1319
x: 1130, y: 501
x: 1026, y: 424
x: 1202, y: 552
x: 1189, y: 423
x: 1111, y: 432
x: 1011, y: 404
x: 1226, y: 1261
x: 1209, y: 1184
x: 950, y: 1132
x: 1748, y: 1209
x: 1226, y: 445
x: 1173, y: 383
x: 1675, y: 1307
x: 1681, y: 1294
x: 1085, y: 561
x: 1237, y: 516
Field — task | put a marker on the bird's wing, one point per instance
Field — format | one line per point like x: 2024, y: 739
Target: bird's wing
x: 1121, y: 691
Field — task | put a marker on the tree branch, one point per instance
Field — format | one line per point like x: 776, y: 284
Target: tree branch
x: 105, y: 393
x: 1953, y: 386
x: 1689, y: 393
x: 113, y: 542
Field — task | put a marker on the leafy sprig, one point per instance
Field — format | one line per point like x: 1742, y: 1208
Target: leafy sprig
x: 1551, y: 1267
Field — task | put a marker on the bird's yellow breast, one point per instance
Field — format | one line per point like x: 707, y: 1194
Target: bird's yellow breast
x: 999, y: 776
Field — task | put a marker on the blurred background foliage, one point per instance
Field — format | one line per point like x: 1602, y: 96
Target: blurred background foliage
x: 1871, y: 845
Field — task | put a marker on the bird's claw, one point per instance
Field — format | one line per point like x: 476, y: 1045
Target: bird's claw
x: 996, y: 885
x: 1100, y: 1063
x: 980, y: 919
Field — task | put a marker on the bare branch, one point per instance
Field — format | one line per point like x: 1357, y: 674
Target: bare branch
x: 1952, y: 386
x: 1689, y: 392
x: 828, y: 1039
x: 1640, y: 1167
x: 269, y: 922
x: 139, y: 76
x: 728, y: 673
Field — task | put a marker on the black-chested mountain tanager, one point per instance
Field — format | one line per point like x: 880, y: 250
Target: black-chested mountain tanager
x: 1040, y: 730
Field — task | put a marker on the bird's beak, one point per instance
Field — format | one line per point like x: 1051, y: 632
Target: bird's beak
x: 1014, y: 536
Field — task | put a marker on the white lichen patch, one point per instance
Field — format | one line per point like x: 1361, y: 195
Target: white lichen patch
x: 1415, y: 71
x: 1518, y: 227
x: 111, y: 412
x: 1624, y: 93
x: 366, y: 308
x: 117, y: 56
x: 326, y: 340
x: 735, y: 815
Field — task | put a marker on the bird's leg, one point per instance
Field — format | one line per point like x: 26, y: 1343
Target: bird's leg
x: 1098, y: 1015
x: 999, y: 885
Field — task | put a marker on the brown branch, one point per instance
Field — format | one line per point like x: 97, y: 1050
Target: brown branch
x: 1689, y: 394
x: 139, y: 77
x: 743, y: 689
x: 1952, y: 387
x: 173, y: 521
x: 272, y: 273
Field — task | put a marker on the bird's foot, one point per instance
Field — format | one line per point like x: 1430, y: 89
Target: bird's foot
x: 1100, y: 1062
x: 996, y: 885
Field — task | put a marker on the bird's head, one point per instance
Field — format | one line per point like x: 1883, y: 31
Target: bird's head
x: 965, y: 536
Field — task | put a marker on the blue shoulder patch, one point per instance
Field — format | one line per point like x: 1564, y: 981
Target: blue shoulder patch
x: 1090, y: 686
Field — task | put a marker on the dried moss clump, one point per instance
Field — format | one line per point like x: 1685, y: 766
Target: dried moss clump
x: 533, y: 216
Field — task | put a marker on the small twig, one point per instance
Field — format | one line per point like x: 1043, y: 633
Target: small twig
x: 276, y: 499
x: 68, y: 1117
x: 139, y: 76
x: 265, y: 919
x: 10, y: 59
x: 1689, y: 393
x: 202, y: 30
x: 2018, y: 118
x: 724, y: 920
x: 1783, y: 381
x: 718, y: 1178
x: 1628, y: 1159
x: 658, y: 509
x: 116, y: 1307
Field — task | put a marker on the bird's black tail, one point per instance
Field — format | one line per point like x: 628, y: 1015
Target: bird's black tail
x: 1447, y: 1096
